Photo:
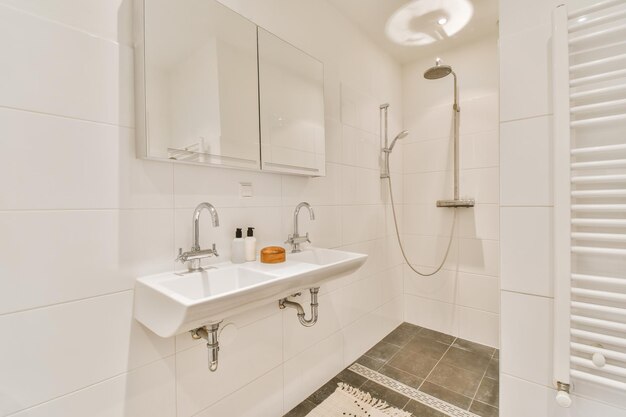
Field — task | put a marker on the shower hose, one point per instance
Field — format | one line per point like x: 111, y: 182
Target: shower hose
x: 395, y: 221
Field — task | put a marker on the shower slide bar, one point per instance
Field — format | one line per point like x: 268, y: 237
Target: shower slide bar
x: 589, y: 238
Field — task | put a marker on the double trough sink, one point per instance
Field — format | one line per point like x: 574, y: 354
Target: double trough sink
x: 177, y: 302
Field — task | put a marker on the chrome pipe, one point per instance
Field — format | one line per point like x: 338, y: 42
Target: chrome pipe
x: 284, y: 303
x: 213, y: 346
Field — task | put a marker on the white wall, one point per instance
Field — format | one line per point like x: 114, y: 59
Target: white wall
x: 81, y: 218
x: 463, y: 298
x: 526, y: 211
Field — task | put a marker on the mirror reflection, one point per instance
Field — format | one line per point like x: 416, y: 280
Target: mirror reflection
x: 201, y: 84
x: 292, y: 108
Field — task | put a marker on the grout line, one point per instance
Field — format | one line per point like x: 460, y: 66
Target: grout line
x: 480, y: 383
x: 65, y: 25
x: 63, y: 116
x: 440, y: 359
x: 60, y: 303
x: 86, y: 387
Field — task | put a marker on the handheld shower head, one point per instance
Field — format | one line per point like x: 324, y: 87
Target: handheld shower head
x: 438, y: 71
x: 400, y: 135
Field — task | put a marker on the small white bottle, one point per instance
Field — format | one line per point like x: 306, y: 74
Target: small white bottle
x: 238, y: 249
x: 250, y: 245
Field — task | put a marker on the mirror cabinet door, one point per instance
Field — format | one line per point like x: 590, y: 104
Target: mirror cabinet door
x: 292, y: 108
x: 201, y: 84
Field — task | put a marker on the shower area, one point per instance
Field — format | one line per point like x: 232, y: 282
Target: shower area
x: 439, y: 178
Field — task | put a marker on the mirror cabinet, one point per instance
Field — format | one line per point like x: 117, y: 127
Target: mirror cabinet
x: 213, y: 88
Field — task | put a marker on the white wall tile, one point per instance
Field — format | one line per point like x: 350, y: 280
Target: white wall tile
x: 481, y: 184
x: 261, y: 398
x: 527, y: 250
x: 149, y: 390
x: 80, y: 253
x: 480, y: 150
x: 361, y: 335
x: 441, y: 287
x: 220, y: 187
x: 108, y: 19
x: 516, y: 16
x: 258, y: 349
x: 52, y: 351
x: 42, y: 156
x: 525, y: 90
x: 526, y: 337
x: 526, y: 159
x: 479, y: 256
x: 481, y: 292
x: 77, y: 66
x: 480, y: 222
x: 301, y: 379
x: 519, y: 398
x: 316, y: 191
x: 432, y: 314
x: 479, y: 326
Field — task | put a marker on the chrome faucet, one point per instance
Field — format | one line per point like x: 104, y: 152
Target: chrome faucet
x: 295, y: 239
x: 196, y: 254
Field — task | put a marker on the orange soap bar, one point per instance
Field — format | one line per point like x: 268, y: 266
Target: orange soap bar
x: 272, y: 255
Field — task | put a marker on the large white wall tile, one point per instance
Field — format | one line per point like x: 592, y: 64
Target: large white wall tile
x: 520, y: 398
x: 194, y: 184
x: 51, y: 162
x: 525, y: 89
x: 261, y: 398
x: 80, y: 253
x: 257, y: 350
x: 526, y: 162
x: 481, y: 184
x: 517, y: 16
x: 479, y: 326
x: 77, y: 67
x: 527, y: 250
x: 53, y: 351
x: 146, y: 391
x: 301, y: 379
x: 479, y: 256
x: 527, y: 337
x: 432, y: 314
x: 481, y: 292
x: 108, y: 19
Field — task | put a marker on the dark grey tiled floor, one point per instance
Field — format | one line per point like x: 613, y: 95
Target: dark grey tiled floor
x: 454, y: 370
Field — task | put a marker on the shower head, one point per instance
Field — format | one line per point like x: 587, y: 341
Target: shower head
x: 400, y: 135
x: 438, y: 71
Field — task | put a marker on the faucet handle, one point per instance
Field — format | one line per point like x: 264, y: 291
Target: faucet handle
x: 307, y: 238
x: 180, y: 255
x: 214, y: 249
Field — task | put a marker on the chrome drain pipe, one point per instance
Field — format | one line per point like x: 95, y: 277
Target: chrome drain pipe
x: 213, y: 345
x: 283, y: 303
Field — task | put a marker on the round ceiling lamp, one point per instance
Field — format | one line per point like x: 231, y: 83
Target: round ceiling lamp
x: 422, y: 22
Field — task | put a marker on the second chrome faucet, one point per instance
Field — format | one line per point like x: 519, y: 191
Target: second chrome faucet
x: 295, y: 239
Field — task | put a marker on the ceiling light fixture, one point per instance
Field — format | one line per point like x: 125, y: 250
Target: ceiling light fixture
x: 422, y: 22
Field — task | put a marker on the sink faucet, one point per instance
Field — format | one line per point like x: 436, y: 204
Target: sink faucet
x: 196, y: 254
x: 295, y: 239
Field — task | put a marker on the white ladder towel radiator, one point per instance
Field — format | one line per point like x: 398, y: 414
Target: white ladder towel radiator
x: 589, y: 99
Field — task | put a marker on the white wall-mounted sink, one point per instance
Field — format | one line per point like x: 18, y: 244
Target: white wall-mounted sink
x: 173, y: 303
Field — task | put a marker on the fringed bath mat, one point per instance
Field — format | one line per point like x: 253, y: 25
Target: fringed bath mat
x: 348, y: 401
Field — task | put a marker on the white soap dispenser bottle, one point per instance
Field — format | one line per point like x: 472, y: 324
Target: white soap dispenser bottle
x: 238, y: 251
x: 250, y: 245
